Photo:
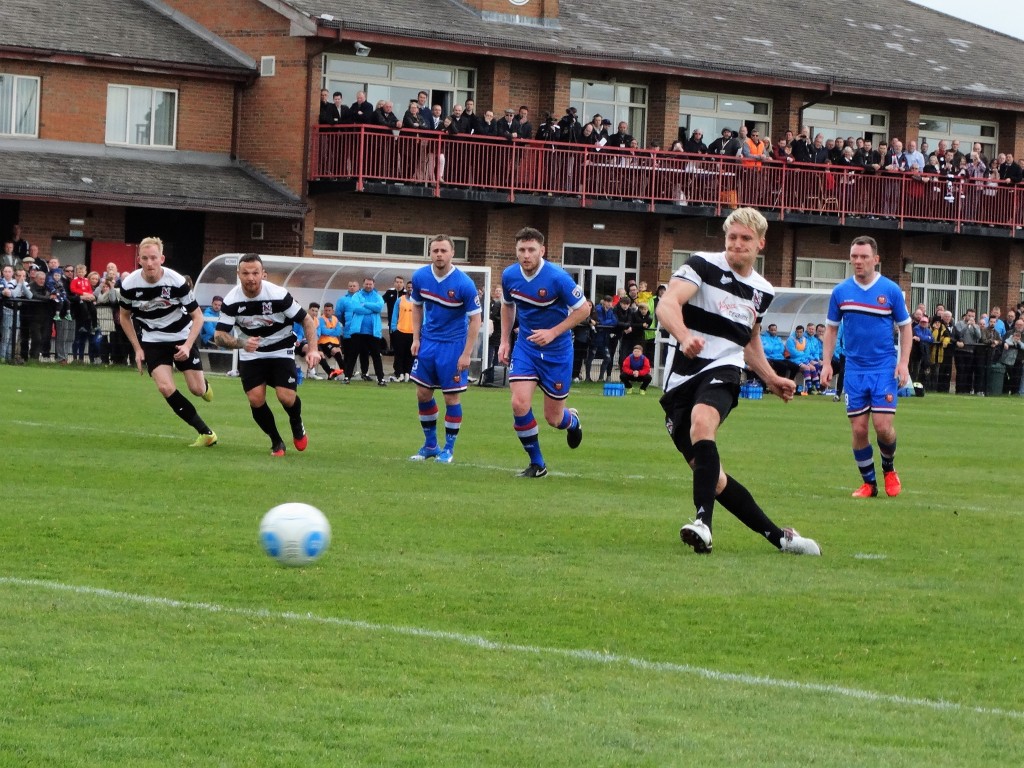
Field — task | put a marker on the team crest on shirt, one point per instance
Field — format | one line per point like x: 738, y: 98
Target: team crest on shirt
x: 268, y: 308
x: 757, y: 298
x: 881, y: 300
x: 451, y: 294
x: 542, y: 292
x: 165, y: 292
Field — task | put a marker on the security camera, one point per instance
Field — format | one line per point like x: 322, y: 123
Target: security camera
x: 362, y: 50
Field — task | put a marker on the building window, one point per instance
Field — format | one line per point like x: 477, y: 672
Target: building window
x: 601, y: 270
x: 141, y: 117
x: 933, y: 129
x: 833, y: 121
x: 398, y: 81
x: 378, y: 245
x: 19, y: 105
x: 820, y: 273
x: 711, y: 112
x: 614, y: 101
x: 956, y: 288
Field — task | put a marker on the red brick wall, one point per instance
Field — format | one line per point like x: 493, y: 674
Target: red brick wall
x: 73, y: 104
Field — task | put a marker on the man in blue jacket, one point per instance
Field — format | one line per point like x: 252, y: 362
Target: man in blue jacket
x: 775, y: 351
x: 363, y: 329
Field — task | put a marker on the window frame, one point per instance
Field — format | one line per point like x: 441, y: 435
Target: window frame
x: 461, y: 245
x: 153, y: 90
x: 11, y: 128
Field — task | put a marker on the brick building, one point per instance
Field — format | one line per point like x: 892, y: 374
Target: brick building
x: 223, y: 155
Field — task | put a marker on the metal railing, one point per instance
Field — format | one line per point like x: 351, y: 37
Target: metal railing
x: 438, y: 160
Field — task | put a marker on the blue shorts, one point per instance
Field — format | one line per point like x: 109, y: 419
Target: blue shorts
x: 552, y: 370
x: 870, y: 391
x: 437, y: 366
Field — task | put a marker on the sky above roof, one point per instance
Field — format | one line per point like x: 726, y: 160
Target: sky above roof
x: 999, y: 15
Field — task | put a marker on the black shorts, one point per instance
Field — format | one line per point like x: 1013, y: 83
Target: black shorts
x: 718, y: 388
x: 329, y: 349
x: 162, y: 353
x: 272, y: 371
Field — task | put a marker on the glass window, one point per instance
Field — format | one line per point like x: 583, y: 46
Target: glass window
x: 957, y: 289
x: 576, y: 256
x: 697, y: 101
x: 357, y: 66
x: 940, y: 128
x: 332, y: 242
x: 817, y: 115
x: 19, y: 105
x: 711, y: 112
x: 613, y: 101
x: 607, y: 257
x: 397, y: 81
x: 820, y: 273
x: 423, y: 74
x: 845, y: 121
x: 610, y: 267
x: 138, y: 116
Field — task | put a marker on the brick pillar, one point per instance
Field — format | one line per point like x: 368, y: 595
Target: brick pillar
x: 780, y: 256
x: 662, y: 111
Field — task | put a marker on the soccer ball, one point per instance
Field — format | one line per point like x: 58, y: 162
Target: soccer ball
x: 294, y: 533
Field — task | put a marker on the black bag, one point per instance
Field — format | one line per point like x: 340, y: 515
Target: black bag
x: 495, y: 376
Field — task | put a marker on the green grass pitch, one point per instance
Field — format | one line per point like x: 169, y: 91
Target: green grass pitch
x: 463, y: 617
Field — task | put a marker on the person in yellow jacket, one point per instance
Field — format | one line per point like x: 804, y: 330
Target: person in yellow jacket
x: 330, y: 330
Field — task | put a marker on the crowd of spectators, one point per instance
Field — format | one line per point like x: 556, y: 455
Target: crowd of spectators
x: 966, y: 175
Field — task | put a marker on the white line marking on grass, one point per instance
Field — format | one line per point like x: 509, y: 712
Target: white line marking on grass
x: 80, y: 428
x: 476, y: 641
x: 867, y: 556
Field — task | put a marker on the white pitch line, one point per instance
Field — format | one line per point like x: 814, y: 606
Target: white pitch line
x: 82, y: 428
x: 476, y: 641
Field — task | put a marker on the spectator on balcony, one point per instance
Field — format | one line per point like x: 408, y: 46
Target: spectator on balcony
x: 932, y: 167
x: 508, y: 126
x: 864, y: 154
x: 817, y: 151
x: 21, y: 246
x: 435, y: 121
x: 695, y: 144
x: 726, y: 145
x: 385, y: 116
x: 981, y: 153
x: 8, y: 258
x: 361, y: 111
x: 754, y: 150
x: 471, y: 117
x: 525, y: 126
x: 325, y: 107
x: 569, y: 128
x: 834, y: 147
x: 958, y: 157
x: 423, y: 102
x: 336, y: 113
x: 486, y: 126
x: 412, y: 117
x: 621, y: 139
x: 847, y: 160
x: 913, y: 155
x: 589, y: 136
x: 601, y: 127
x: 801, y: 144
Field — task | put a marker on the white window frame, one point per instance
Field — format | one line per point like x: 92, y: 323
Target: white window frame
x: 837, y: 127
x: 152, y: 123
x: 11, y: 128
x: 461, y: 85
x: 620, y: 107
x: 711, y: 121
x: 625, y: 271
x: 815, y: 280
x: 933, y: 137
x: 922, y: 283
x: 461, y: 245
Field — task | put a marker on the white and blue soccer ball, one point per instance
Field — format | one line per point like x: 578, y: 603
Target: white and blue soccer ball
x: 294, y: 533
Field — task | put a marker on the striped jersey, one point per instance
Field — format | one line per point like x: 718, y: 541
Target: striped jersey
x: 447, y: 303
x: 162, y: 309
x: 724, y: 311
x: 869, y: 314
x: 542, y: 300
x: 268, y: 315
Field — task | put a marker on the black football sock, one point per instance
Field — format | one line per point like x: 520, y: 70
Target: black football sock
x: 737, y: 499
x: 706, y: 467
x: 187, y: 412
x: 294, y: 412
x: 887, y: 451
x: 264, y: 417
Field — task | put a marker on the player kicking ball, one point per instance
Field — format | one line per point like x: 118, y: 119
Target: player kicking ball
x: 712, y: 310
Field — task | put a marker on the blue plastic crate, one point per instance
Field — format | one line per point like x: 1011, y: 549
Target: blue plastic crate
x: 614, y: 390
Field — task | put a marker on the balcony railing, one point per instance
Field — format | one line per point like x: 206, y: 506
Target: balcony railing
x: 587, y: 173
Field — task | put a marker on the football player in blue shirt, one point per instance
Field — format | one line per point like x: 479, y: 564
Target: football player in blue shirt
x: 549, y: 305
x: 869, y: 306
x: 446, y: 316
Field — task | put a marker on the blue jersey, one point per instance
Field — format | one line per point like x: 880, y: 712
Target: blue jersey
x: 447, y: 303
x: 869, y: 315
x: 542, y: 301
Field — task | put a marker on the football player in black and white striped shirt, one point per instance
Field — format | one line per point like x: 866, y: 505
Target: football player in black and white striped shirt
x: 256, y: 319
x: 712, y: 310
x: 161, y: 302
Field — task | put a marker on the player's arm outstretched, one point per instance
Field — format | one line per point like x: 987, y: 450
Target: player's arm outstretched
x: 753, y: 355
